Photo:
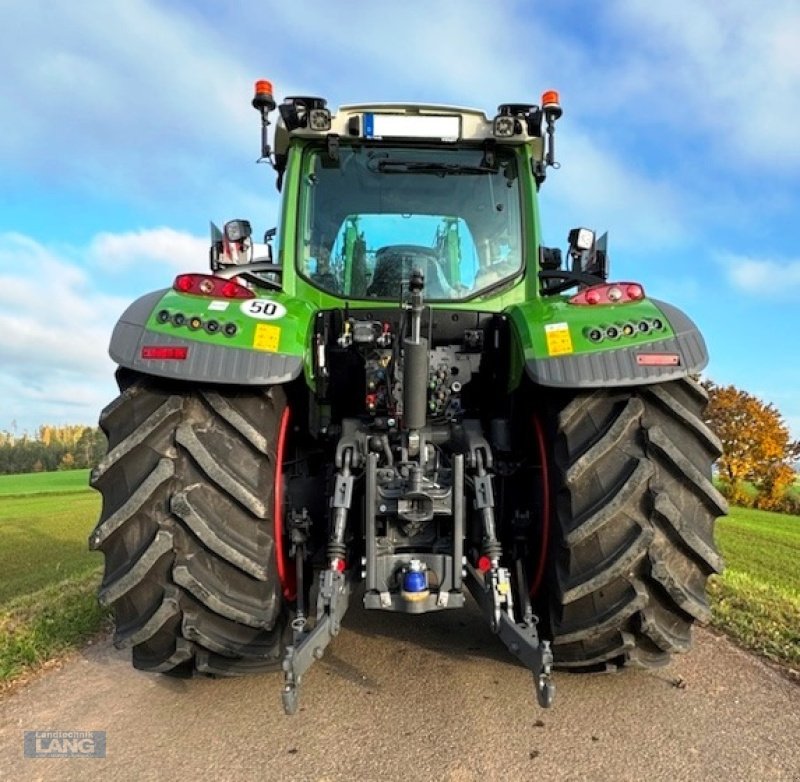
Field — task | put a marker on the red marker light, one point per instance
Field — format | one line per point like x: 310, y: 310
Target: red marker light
x: 231, y: 290
x: 165, y: 352
x: 484, y: 564
x: 593, y: 296
x: 635, y: 292
x: 183, y: 283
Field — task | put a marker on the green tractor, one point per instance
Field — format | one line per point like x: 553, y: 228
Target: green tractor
x: 401, y: 393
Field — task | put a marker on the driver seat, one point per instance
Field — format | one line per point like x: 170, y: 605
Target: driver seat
x: 393, y: 265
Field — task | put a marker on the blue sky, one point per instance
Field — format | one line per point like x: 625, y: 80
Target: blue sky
x: 126, y: 126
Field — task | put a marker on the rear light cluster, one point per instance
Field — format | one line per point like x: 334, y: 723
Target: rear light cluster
x: 614, y: 331
x: 211, y: 286
x: 195, y: 323
x: 613, y: 293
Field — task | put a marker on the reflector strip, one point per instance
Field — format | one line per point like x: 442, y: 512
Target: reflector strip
x: 165, y: 352
x: 658, y: 360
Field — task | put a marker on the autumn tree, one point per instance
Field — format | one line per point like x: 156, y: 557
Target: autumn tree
x: 757, y: 445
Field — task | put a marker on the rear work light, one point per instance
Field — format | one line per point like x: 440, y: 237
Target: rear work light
x: 609, y: 293
x: 211, y: 286
x: 165, y: 352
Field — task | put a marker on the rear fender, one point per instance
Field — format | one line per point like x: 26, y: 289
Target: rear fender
x: 264, y: 343
x: 552, y: 344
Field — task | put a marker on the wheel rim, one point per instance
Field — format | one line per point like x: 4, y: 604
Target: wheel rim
x: 286, y: 568
x: 541, y: 444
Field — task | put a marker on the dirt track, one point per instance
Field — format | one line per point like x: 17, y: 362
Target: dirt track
x: 417, y: 698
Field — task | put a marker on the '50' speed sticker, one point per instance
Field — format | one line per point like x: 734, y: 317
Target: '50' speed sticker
x: 263, y: 309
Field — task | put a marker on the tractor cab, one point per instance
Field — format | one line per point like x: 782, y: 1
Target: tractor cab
x: 382, y: 189
x: 376, y: 212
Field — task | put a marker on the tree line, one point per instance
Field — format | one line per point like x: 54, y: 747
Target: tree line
x: 51, y: 448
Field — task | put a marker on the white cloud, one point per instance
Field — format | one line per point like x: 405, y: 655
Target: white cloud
x: 727, y: 69
x: 54, y: 365
x: 175, y: 249
x: 768, y: 277
x: 120, y: 96
x: 419, y: 51
x: 55, y: 318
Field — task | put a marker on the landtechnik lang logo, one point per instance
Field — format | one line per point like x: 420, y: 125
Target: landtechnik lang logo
x: 65, y: 743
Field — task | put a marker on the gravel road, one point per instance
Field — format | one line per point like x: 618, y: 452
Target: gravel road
x: 416, y: 698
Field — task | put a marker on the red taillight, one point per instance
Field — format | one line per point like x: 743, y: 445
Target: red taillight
x: 232, y: 290
x: 165, y: 352
x: 210, y: 286
x: 183, y: 283
x: 609, y: 293
x: 635, y: 291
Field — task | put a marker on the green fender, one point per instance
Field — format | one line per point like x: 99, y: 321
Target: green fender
x: 552, y: 344
x: 260, y: 341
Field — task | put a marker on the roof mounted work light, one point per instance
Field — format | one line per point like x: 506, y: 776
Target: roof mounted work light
x: 305, y: 112
x: 511, y: 116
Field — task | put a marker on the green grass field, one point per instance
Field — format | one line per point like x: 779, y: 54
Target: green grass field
x: 44, y: 483
x: 757, y: 599
x: 43, y: 540
x: 49, y: 578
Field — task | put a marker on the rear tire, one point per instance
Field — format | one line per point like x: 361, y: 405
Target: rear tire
x: 187, y: 526
x: 633, y: 543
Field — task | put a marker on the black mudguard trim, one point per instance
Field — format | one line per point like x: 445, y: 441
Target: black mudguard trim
x: 619, y: 368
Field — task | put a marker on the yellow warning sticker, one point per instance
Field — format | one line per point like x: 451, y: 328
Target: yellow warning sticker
x: 559, y: 342
x: 267, y: 337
